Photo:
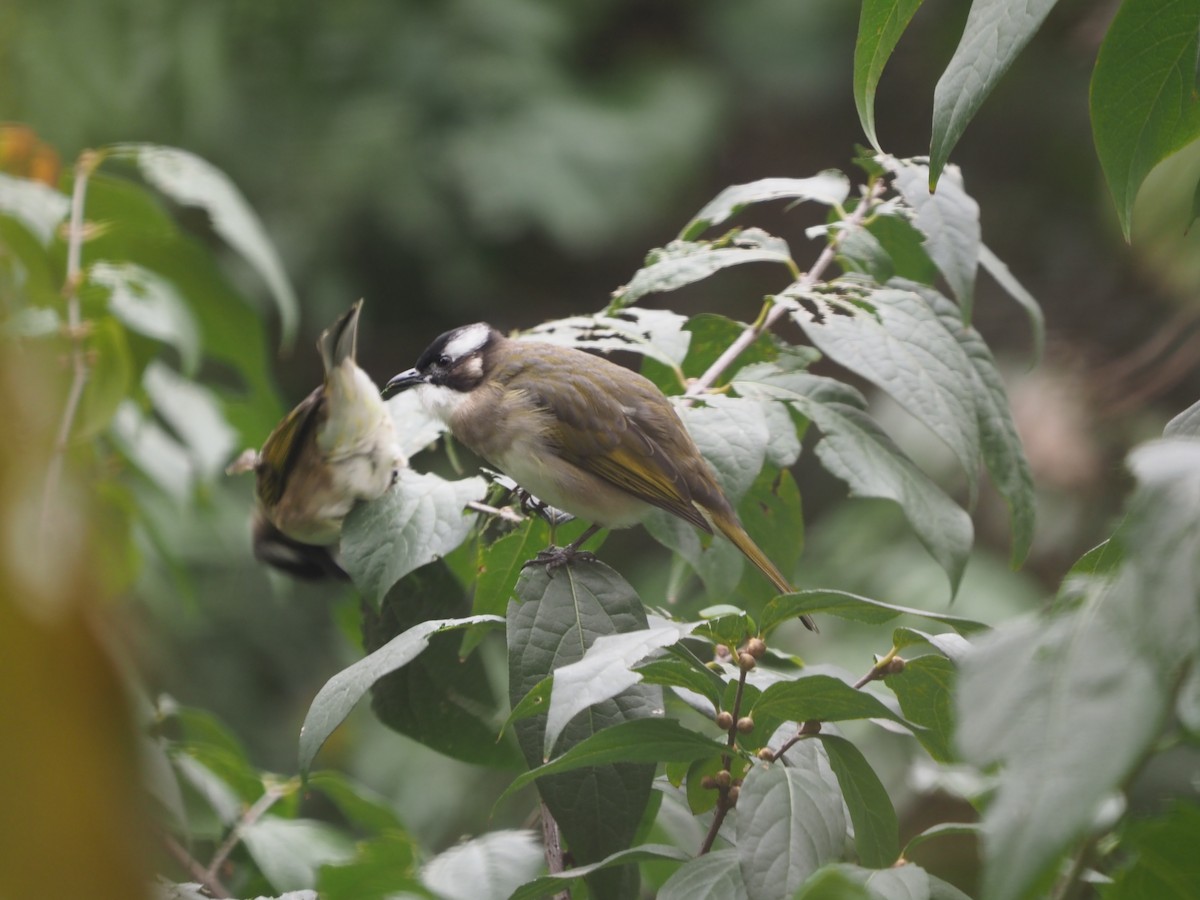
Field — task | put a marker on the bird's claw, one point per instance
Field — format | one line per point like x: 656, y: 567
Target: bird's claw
x: 557, y: 557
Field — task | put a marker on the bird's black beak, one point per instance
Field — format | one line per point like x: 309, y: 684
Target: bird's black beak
x: 402, y: 382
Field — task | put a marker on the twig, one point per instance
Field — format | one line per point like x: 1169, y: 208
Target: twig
x: 805, y: 282
x: 724, y: 803
x: 86, y: 164
x: 211, y: 883
x: 255, y: 812
x: 508, y: 514
x: 552, y: 846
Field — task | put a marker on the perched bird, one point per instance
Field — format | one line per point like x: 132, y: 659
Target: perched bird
x: 581, y: 433
x: 338, y: 446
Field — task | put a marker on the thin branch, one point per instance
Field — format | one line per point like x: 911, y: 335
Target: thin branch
x: 552, y: 846
x: 803, y: 283
x: 255, y: 812
x: 508, y: 514
x: 86, y: 164
x: 211, y: 883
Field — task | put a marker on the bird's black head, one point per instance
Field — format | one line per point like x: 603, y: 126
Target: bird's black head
x: 457, y: 360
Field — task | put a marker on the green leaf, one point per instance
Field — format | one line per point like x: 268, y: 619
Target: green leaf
x: 949, y: 220
x: 855, y: 449
x: 942, y: 829
x: 110, y: 377
x: 853, y: 607
x: 996, y: 31
x: 1000, y: 272
x: 1163, y: 859
x: 599, y: 808
x: 192, y: 181
x: 561, y: 881
x: 445, y: 701
x: 925, y: 690
x: 684, y: 262
x: 39, y: 207
x: 383, y: 868
x: 1000, y: 442
x: 900, y: 346
x: 684, y: 671
x: 657, y: 334
x: 149, y: 304
x: 341, y: 692
x: 790, y: 823
x: 490, y: 867
x: 830, y: 187
x: 904, y: 245
x: 632, y: 741
x: 194, y: 415
x: 290, y: 851
x: 876, y: 829
x: 499, y: 566
x: 1041, y: 697
x: 904, y: 882
x: 420, y: 519
x: 1144, y: 104
x: 953, y: 646
x: 835, y: 882
x: 880, y: 25
x: 604, y: 671
x: 359, y: 804
x: 822, y: 698
x: 154, y: 452
x: 714, y: 876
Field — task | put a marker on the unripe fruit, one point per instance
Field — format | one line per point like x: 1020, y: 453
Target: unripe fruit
x: 721, y: 651
x: 766, y: 754
x: 708, y: 783
x: 745, y: 724
x: 724, y: 720
x: 724, y: 779
x: 896, y: 665
x: 756, y: 647
x: 733, y: 795
x: 746, y: 661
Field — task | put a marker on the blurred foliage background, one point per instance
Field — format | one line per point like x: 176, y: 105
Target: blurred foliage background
x: 513, y: 160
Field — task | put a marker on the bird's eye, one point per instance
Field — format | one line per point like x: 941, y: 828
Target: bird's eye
x: 443, y: 360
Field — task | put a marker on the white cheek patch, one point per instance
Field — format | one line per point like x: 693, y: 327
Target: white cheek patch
x: 474, y: 368
x: 439, y: 401
x: 467, y: 340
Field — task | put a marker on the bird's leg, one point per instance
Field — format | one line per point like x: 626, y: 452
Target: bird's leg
x: 557, y: 557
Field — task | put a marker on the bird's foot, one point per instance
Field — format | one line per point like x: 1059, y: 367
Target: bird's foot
x: 557, y: 557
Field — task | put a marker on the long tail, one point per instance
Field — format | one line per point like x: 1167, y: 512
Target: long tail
x: 733, y: 530
x: 339, y: 341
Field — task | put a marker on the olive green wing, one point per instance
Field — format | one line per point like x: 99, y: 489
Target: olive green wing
x: 613, y: 441
x: 283, y: 445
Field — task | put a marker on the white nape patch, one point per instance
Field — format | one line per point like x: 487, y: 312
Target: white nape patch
x: 466, y: 340
x: 439, y: 401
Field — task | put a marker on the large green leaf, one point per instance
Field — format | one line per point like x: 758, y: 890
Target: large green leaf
x: 829, y: 187
x: 420, y: 519
x: 790, y: 822
x: 341, y: 692
x: 925, y: 690
x: 685, y: 262
x: 1000, y: 442
x: 557, y: 882
x: 441, y: 698
x: 190, y: 180
x: 880, y: 25
x: 996, y: 31
x: 657, y: 334
x: 1162, y: 856
x: 648, y: 740
x: 194, y: 415
x: 560, y: 614
x: 1033, y: 311
x: 147, y: 303
x: 489, y: 867
x: 853, y: 607
x: 949, y: 220
x: 821, y: 698
x: 856, y: 450
x: 290, y: 851
x: 892, y: 338
x: 1143, y: 95
x: 876, y: 829
x: 714, y: 876
x: 604, y: 671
